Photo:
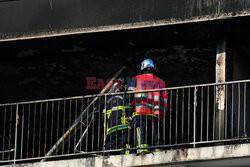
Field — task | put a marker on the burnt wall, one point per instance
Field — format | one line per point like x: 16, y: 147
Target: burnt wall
x: 58, y: 67
x: 29, y: 18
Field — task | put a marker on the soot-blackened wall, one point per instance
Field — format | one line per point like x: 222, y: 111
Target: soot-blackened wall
x: 58, y: 67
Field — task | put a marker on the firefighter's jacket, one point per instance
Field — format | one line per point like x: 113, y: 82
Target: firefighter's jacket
x: 150, y: 103
x: 119, y: 112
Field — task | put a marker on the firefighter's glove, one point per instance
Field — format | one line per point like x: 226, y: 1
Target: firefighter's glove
x: 128, y: 120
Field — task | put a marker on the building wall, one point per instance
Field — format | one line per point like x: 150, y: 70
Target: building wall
x: 29, y: 18
x: 58, y: 67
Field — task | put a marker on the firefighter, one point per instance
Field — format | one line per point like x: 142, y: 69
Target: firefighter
x: 150, y: 108
x: 119, y: 117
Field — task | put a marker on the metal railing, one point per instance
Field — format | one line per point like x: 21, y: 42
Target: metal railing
x: 45, y: 129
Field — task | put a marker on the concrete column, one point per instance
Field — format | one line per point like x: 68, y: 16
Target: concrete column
x: 220, y: 90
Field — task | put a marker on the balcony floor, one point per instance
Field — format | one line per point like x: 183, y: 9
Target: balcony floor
x: 226, y: 155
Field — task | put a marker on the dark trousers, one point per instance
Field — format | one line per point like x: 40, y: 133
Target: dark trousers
x: 119, y: 139
x: 146, y: 132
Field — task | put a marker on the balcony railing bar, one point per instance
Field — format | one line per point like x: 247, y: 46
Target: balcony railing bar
x: 238, y: 134
x: 208, y: 111
x: 194, y: 116
x: 4, y: 127
x: 226, y: 115
x: 214, y: 114
x: 232, y: 116
x: 189, y: 98
x: 245, y: 88
x: 129, y: 92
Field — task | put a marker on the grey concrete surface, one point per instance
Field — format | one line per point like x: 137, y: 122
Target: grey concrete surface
x: 230, y: 155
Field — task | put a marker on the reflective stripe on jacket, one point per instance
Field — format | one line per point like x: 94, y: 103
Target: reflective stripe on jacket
x: 118, y: 111
x: 150, y: 102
